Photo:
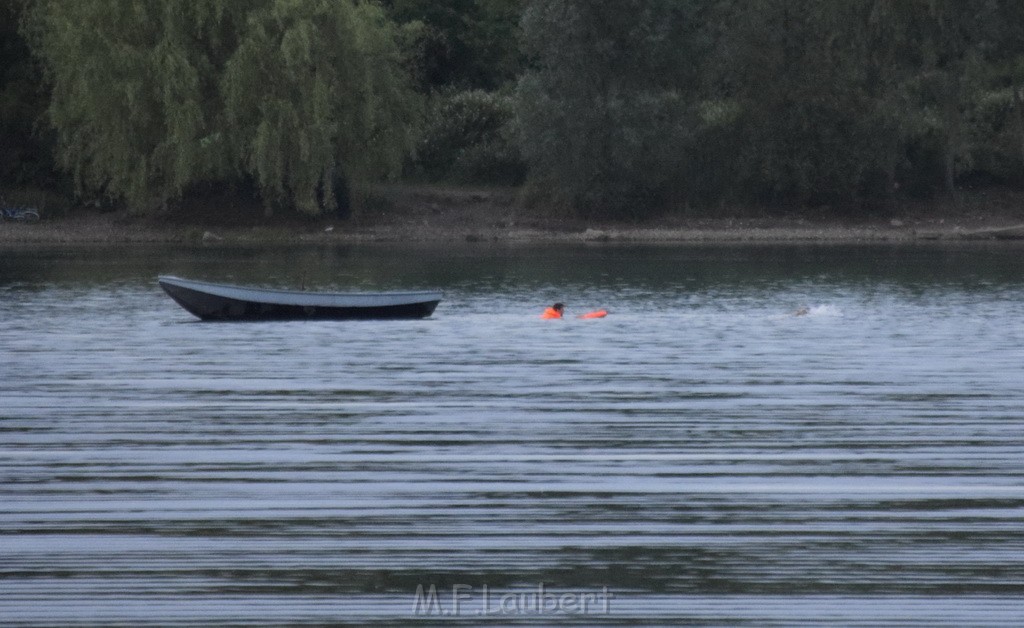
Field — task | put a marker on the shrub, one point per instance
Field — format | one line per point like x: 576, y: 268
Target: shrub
x: 470, y: 137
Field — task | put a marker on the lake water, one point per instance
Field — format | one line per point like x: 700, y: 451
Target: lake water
x: 700, y: 456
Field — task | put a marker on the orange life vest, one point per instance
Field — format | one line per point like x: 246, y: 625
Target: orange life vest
x: 551, y: 313
x: 595, y: 314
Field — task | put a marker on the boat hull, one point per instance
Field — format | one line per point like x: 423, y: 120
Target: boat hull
x: 213, y: 302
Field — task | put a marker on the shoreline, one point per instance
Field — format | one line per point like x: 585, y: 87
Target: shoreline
x: 105, y: 230
x: 445, y: 215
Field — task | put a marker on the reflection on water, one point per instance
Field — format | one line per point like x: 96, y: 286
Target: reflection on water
x: 700, y: 456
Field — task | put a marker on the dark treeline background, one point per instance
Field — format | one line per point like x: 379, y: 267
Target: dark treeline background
x: 613, y: 107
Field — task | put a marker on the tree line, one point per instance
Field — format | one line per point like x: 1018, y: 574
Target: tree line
x: 613, y: 107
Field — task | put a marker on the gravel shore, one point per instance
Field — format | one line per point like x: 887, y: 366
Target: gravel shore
x: 408, y: 214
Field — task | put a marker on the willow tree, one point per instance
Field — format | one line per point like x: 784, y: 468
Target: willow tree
x: 149, y: 99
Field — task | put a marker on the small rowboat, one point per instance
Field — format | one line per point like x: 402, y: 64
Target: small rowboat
x: 211, y: 301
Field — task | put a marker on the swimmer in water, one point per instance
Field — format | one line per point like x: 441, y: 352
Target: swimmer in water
x: 803, y: 310
x: 555, y: 311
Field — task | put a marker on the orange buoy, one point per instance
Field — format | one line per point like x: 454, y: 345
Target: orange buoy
x: 595, y: 314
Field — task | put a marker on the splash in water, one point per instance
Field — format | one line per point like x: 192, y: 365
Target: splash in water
x: 817, y: 310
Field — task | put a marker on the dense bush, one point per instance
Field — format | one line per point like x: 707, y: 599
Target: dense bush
x: 632, y: 104
x: 607, y: 109
x: 460, y: 44
x: 470, y: 137
x: 620, y: 107
x: 996, y: 138
x: 26, y: 156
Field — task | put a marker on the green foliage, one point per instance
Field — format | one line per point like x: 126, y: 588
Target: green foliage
x: 314, y: 96
x: 470, y: 138
x: 25, y: 157
x: 621, y: 107
x: 607, y: 113
x: 303, y: 96
x: 798, y: 73
x: 464, y: 44
x: 993, y: 142
x: 642, y: 102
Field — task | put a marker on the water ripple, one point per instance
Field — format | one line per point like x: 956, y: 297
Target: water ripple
x: 702, y: 456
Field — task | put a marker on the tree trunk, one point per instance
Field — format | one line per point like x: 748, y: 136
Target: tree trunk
x: 952, y: 114
x: 1018, y: 104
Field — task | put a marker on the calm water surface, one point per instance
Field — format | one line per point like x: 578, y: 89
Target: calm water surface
x: 698, y: 457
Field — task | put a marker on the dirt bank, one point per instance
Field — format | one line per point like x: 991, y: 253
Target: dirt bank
x: 429, y: 213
